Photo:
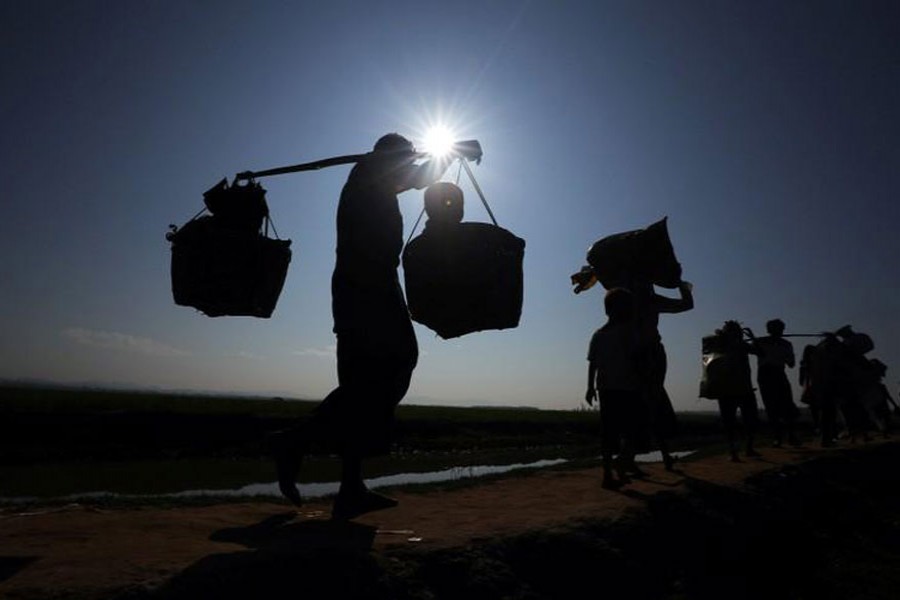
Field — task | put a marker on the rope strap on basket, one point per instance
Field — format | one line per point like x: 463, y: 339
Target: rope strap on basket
x: 462, y: 165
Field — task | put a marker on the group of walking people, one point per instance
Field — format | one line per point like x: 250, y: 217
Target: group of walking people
x: 727, y: 379
x: 843, y: 389
x: 840, y: 384
x: 377, y: 351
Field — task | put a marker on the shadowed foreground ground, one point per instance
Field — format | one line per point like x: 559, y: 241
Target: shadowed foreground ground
x: 800, y: 523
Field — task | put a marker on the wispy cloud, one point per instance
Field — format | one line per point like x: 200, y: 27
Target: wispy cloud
x: 113, y: 340
x: 326, y: 352
x: 330, y: 352
x: 250, y: 355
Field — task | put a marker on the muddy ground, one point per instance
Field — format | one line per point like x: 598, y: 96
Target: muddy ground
x: 798, y: 523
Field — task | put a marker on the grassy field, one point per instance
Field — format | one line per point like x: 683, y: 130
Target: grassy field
x: 48, y: 400
x: 54, y: 424
x: 57, y: 442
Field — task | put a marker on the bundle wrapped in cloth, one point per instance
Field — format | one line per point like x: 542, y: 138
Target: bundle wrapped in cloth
x: 722, y: 371
x: 462, y: 277
x: 225, y: 263
x: 642, y: 254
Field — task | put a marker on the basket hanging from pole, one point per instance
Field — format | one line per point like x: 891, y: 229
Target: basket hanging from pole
x: 224, y: 263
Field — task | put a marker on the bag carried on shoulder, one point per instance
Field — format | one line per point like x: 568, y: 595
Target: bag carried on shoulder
x: 725, y: 373
x: 224, y: 263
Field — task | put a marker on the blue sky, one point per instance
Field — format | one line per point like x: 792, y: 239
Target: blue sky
x: 766, y: 131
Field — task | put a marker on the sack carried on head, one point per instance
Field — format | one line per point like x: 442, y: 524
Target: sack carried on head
x: 643, y: 254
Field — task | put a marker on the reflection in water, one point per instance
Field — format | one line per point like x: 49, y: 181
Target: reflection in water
x: 318, y: 490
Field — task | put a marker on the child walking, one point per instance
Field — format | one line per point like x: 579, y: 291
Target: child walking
x: 614, y: 379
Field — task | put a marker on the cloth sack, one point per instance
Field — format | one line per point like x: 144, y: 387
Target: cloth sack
x: 223, y: 264
x: 725, y: 373
x: 642, y: 254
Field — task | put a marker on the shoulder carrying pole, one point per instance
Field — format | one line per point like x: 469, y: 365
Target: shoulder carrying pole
x: 311, y: 166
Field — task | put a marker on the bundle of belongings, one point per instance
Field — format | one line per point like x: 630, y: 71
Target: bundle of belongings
x: 726, y: 371
x: 462, y: 277
x: 224, y: 263
x: 639, y: 255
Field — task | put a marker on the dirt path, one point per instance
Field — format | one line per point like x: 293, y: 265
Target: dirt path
x: 80, y: 551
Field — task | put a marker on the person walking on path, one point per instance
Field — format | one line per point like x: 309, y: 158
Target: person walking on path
x: 614, y: 379
x: 774, y: 354
x: 648, y: 306
x: 737, y: 393
x: 376, y: 344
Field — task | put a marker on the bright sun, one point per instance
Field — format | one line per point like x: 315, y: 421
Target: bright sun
x: 438, y: 141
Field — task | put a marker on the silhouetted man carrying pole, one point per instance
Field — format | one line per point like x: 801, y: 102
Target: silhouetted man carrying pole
x: 774, y: 354
x: 376, y: 344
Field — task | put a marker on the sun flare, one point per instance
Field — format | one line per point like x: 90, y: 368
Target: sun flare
x: 438, y: 141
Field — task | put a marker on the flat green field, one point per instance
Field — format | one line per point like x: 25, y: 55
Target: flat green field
x: 58, y: 443
x: 55, y: 424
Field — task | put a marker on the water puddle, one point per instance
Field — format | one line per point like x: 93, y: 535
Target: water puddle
x: 319, y: 490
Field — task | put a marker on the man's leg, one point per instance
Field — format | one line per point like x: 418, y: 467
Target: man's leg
x: 662, y: 413
x: 769, y: 393
x: 664, y: 420
x: 379, y: 380
x: 828, y: 410
x: 287, y: 466
x: 728, y: 412
x: 289, y: 448
x: 326, y: 424
x: 610, y: 439
x: 750, y: 417
x: 354, y: 498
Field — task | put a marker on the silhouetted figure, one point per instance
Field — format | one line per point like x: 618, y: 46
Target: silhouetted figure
x: 648, y: 306
x: 774, y: 353
x: 615, y: 379
x: 837, y: 367
x: 857, y: 371
x: 828, y: 384
x: 376, y: 344
x: 808, y: 395
x: 736, y: 391
x: 639, y: 260
x: 878, y: 398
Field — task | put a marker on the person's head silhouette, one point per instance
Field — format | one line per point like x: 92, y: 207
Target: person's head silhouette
x: 619, y: 304
x: 731, y: 330
x: 775, y: 327
x: 394, y: 146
